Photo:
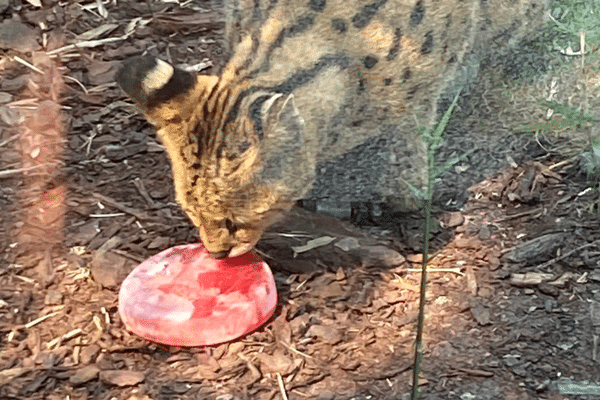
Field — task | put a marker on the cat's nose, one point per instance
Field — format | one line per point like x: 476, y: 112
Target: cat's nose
x: 219, y: 254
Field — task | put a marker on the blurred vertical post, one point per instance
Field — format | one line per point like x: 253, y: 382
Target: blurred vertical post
x: 42, y: 140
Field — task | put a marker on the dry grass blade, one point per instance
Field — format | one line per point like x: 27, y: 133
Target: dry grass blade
x: 281, y: 387
x: 11, y: 172
x: 40, y: 320
x: 28, y: 65
x: 312, y: 244
x: 88, y: 44
x: 97, y: 32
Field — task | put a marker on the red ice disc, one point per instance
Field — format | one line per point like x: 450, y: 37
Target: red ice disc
x: 184, y: 297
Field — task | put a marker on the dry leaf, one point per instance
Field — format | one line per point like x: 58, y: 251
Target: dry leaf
x: 97, y: 32
x: 314, y: 243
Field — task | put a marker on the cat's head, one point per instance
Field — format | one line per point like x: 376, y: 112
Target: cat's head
x: 238, y: 153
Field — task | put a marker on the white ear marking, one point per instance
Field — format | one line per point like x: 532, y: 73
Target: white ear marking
x: 269, y: 103
x: 157, y: 77
x: 289, y: 107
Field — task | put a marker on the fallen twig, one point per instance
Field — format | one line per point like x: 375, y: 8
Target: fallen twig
x: 568, y: 254
x: 387, y: 374
x: 138, y: 214
x: 292, y: 349
x: 519, y: 215
x: 139, y: 185
x: 454, y: 270
x: 70, y: 78
x: 11, y: 172
x: 7, y: 141
x: 476, y: 372
x: 67, y: 336
x: 87, y: 44
x: 128, y: 255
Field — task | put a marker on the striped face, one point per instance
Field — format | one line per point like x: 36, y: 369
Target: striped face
x: 226, y: 175
x: 307, y: 81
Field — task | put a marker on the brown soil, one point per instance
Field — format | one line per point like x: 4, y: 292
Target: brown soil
x: 513, y: 298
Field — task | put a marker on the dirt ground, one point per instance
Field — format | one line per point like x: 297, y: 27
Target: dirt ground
x: 513, y: 306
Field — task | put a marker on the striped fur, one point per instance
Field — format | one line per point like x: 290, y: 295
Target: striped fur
x: 307, y: 81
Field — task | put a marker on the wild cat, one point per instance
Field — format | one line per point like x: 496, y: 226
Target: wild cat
x: 307, y: 81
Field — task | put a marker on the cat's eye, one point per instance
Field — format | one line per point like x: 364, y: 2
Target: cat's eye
x: 231, y: 227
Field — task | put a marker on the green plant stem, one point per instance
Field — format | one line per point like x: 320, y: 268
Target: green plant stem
x: 432, y: 142
x: 418, y: 358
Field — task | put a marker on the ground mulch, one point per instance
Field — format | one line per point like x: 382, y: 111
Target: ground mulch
x: 513, y: 306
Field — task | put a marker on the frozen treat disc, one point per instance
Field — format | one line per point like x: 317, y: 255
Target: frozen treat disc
x: 184, y: 297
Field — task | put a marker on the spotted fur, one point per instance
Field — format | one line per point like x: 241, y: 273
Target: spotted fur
x: 307, y: 81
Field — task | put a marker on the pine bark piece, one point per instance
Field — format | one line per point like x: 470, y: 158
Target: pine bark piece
x: 540, y: 248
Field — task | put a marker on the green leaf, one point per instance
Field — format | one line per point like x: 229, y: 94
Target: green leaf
x: 570, y: 112
x: 596, y: 147
x: 555, y: 124
x: 449, y: 163
x: 438, y: 132
x: 420, y: 195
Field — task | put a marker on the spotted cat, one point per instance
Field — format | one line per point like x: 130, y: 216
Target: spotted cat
x: 308, y: 81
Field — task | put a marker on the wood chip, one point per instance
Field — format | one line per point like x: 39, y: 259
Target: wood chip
x: 529, y: 279
x: 326, y: 333
x: 85, y: 374
x: 122, y: 378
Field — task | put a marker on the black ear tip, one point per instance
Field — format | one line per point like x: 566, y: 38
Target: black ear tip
x: 131, y: 72
x: 142, y: 78
x: 150, y: 81
x: 141, y: 63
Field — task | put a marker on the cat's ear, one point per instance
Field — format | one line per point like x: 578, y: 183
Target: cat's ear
x: 287, y: 159
x: 162, y: 92
x: 150, y: 81
x: 281, y: 117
